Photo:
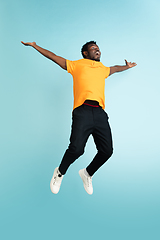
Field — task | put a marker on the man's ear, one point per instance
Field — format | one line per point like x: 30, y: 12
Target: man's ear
x: 85, y: 53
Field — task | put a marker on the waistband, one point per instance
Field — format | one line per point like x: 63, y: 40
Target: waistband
x: 91, y: 103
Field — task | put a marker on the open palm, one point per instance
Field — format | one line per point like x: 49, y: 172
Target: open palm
x: 29, y: 43
x: 130, y: 64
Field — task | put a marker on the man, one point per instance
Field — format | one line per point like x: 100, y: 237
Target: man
x: 88, y: 116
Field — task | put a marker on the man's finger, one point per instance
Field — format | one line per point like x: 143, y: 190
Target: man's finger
x: 126, y: 61
x: 24, y: 43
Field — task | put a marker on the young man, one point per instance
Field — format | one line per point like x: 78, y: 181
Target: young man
x: 88, y: 115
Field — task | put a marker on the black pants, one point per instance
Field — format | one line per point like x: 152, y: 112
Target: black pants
x: 88, y: 120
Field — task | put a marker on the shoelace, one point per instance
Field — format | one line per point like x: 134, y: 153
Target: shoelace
x: 54, y: 179
x: 89, y: 181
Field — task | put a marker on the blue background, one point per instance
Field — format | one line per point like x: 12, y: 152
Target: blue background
x: 36, y: 103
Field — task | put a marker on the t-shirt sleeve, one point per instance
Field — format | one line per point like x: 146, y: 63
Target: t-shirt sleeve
x: 107, y: 71
x: 70, y: 66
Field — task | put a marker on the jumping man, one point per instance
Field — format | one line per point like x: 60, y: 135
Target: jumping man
x: 88, y: 116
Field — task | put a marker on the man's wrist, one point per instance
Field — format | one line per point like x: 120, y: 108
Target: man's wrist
x: 34, y: 45
x: 127, y: 67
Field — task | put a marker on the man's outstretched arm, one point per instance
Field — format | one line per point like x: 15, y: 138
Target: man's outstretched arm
x: 57, y: 59
x: 118, y: 68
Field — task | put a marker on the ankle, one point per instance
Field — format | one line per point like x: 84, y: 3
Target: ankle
x: 59, y: 173
x: 86, y: 173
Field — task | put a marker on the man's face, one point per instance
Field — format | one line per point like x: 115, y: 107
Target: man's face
x: 93, y: 52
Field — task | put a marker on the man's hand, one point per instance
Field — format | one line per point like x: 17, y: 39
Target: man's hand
x: 130, y: 64
x: 32, y: 44
x: 57, y: 59
x: 118, y: 68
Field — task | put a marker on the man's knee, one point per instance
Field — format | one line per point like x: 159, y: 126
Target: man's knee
x: 77, y: 152
x: 108, y: 153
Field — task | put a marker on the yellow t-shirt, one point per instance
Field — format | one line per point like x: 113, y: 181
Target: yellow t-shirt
x: 88, y: 81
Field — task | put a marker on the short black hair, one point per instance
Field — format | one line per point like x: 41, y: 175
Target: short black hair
x: 85, y: 47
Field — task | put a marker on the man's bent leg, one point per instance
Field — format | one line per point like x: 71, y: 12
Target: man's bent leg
x: 79, y: 134
x: 103, y: 140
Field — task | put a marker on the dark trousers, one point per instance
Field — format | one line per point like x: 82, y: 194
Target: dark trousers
x: 88, y: 120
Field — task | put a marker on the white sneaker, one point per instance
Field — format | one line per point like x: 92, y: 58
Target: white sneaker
x: 56, y: 181
x: 87, y: 182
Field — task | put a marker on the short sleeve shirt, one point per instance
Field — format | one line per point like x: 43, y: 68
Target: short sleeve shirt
x: 88, y: 81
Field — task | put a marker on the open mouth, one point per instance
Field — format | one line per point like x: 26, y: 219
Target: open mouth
x: 97, y: 53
